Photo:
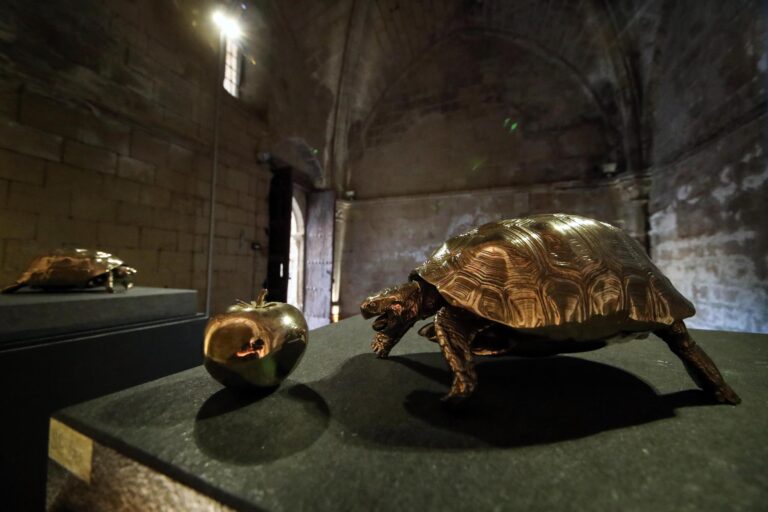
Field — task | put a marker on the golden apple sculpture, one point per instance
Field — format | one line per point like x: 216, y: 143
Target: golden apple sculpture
x: 255, y: 344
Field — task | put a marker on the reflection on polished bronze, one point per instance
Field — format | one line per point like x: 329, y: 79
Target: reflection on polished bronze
x: 256, y: 344
x: 538, y: 286
x: 75, y: 268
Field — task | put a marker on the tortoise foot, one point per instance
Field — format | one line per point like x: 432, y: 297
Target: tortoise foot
x: 726, y: 395
x: 455, y: 401
x: 460, y: 392
x: 382, y: 345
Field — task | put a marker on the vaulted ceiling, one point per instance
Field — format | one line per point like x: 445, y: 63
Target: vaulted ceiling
x: 344, y: 56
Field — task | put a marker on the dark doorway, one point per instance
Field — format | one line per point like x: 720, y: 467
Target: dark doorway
x: 280, y: 203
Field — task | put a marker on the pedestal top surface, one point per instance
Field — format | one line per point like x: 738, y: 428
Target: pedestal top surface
x: 622, y: 428
x: 34, y: 314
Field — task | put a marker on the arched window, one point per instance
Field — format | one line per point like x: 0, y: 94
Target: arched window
x: 296, y: 258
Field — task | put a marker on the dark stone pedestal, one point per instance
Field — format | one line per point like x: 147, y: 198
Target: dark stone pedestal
x: 622, y: 428
x: 31, y: 314
x: 63, y: 348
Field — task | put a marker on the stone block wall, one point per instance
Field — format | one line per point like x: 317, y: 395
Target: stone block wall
x: 106, y: 129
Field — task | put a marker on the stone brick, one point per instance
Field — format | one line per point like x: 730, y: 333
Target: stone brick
x: 107, y: 134
x: 115, y: 235
x: 176, y: 261
x: 126, y: 31
x: 202, y: 188
x: 35, y: 199
x: 121, y: 189
x: 17, y: 225
x: 228, y: 229
x: 182, y: 203
x: 177, y: 97
x: 60, y: 231
x: 186, y: 242
x: 62, y: 177
x: 239, y: 246
x: 181, y: 159
x: 20, y: 253
x: 90, y: 157
x: 30, y: 141
x: 148, y: 148
x: 247, y: 202
x: 92, y: 207
x: 23, y: 168
x: 9, y: 99
x: 165, y: 219
x: 4, y: 186
x: 153, y: 196
x: 144, y: 260
x: 135, y: 215
x: 240, y: 216
x: 201, y: 226
x: 238, y: 180
x: 158, y: 239
x: 173, y: 180
x: 135, y: 170
x: 49, y: 115
x: 226, y: 196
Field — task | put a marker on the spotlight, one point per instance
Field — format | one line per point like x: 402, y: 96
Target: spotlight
x: 228, y: 25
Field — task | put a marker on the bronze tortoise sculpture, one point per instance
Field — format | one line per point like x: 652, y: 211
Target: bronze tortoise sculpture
x: 75, y: 268
x: 538, y: 286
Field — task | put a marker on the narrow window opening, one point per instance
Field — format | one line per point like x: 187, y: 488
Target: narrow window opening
x: 232, y: 68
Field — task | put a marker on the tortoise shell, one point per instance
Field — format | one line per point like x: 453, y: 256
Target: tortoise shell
x: 65, y: 268
x: 563, y: 276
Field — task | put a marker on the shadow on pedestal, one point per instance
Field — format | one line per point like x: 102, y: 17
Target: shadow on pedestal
x: 396, y: 403
x: 247, y: 428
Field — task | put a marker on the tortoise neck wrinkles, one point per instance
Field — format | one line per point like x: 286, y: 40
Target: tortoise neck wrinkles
x: 429, y: 299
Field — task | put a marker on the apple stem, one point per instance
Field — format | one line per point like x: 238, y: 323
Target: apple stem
x: 262, y: 296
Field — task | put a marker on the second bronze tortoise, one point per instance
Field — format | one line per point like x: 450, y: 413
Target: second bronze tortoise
x: 538, y: 286
x: 65, y: 269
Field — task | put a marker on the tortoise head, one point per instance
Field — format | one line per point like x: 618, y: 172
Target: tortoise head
x: 397, y: 309
x: 123, y: 275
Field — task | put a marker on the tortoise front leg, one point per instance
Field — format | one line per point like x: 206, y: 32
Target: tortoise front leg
x: 454, y: 331
x: 701, y: 368
x: 384, y: 341
x: 110, y: 282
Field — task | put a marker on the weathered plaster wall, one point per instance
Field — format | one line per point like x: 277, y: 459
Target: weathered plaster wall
x: 386, y: 238
x: 708, y: 230
x: 106, y: 124
x: 709, y: 176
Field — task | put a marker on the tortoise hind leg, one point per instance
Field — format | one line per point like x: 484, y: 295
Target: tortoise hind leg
x: 110, y: 282
x: 701, y: 368
x: 14, y: 287
x: 454, y: 332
